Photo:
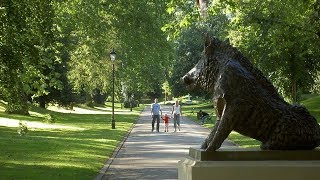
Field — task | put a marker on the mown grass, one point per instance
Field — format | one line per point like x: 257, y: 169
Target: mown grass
x: 78, y: 150
x: 312, y: 104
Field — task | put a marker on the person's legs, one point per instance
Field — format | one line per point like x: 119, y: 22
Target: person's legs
x: 153, y: 121
x: 158, y: 122
x: 202, y: 120
x: 205, y: 117
x: 178, y: 121
x: 175, y: 122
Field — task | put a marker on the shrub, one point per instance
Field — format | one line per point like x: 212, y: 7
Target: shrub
x: 22, y: 129
x: 49, y: 118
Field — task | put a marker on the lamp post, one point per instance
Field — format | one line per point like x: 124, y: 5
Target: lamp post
x: 113, y: 58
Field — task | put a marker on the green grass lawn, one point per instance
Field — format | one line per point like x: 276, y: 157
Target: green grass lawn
x: 74, y: 147
x: 312, y: 104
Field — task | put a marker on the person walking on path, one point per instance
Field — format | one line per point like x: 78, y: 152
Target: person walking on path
x: 177, y: 113
x: 155, y: 113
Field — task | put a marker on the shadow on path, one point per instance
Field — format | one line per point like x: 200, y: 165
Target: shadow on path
x: 154, y: 155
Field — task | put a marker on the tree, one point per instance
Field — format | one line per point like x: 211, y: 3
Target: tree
x: 190, y: 37
x: 143, y: 50
x: 27, y: 52
x: 280, y: 37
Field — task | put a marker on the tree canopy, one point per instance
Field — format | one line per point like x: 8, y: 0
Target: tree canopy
x: 54, y: 50
x: 58, y: 51
x: 280, y: 37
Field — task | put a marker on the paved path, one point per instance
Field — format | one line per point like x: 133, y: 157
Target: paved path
x: 154, y: 155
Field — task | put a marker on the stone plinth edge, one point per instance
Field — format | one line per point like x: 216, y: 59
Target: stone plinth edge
x: 252, y: 154
x: 235, y: 167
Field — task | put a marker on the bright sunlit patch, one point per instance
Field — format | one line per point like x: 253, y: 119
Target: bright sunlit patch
x: 98, y: 110
x: 37, y: 125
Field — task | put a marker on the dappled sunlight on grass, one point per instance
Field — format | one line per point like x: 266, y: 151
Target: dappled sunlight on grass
x: 191, y: 112
x: 34, y: 125
x: 74, y: 147
x: 313, y: 105
x: 243, y: 141
x: 95, y: 110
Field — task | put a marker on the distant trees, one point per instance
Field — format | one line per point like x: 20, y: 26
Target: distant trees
x: 280, y: 37
x: 58, y: 51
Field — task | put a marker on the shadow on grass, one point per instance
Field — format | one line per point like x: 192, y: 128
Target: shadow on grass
x: 53, y: 151
x: 34, y: 171
x: 61, y: 153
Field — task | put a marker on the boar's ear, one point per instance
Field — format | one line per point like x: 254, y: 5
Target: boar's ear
x: 207, y: 40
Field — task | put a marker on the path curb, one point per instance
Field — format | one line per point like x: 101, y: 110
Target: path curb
x: 115, y: 153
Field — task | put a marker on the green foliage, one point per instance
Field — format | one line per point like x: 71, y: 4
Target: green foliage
x: 280, y: 37
x: 188, y: 53
x: 28, y: 52
x: 48, y: 118
x: 144, y: 52
x: 53, y: 50
x: 280, y: 40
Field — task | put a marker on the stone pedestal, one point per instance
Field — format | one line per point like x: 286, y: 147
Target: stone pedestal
x: 246, y: 164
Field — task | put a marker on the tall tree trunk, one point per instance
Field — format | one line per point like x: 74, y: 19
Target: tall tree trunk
x: 89, y: 99
x: 294, y: 91
x: 203, y: 5
x: 42, y: 102
x: 315, y: 17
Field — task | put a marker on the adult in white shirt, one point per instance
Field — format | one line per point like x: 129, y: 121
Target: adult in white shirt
x: 177, y: 113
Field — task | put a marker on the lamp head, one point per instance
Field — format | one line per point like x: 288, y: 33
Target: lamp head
x: 113, y: 55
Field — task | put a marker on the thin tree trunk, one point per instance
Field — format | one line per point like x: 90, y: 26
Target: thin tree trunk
x: 42, y: 102
x: 294, y: 91
x: 203, y: 5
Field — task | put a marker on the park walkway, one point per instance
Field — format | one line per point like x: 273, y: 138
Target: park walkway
x: 154, y: 155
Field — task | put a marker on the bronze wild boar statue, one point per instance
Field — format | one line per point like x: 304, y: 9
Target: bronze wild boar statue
x: 246, y: 102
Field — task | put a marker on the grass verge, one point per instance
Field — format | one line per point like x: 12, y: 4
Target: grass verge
x: 74, y: 147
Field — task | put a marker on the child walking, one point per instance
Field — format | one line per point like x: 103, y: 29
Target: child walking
x: 165, y: 119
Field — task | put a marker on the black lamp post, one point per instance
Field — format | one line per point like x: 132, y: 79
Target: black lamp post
x: 113, y: 58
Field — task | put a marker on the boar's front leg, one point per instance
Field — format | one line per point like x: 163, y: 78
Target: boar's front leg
x: 219, y: 107
x: 223, y: 130
x: 207, y: 141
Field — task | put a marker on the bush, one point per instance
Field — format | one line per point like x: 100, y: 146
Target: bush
x: 133, y: 104
x: 23, y: 129
x: 48, y: 118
